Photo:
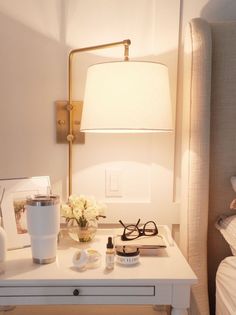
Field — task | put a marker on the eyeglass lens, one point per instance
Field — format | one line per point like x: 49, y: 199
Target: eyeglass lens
x: 150, y: 228
x: 131, y: 232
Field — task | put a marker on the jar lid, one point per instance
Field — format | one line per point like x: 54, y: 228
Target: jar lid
x: 127, y: 251
x: 42, y: 200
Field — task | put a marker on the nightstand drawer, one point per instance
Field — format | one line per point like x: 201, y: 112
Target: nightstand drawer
x: 78, y: 291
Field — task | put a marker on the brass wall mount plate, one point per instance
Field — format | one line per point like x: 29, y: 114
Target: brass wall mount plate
x: 62, y: 121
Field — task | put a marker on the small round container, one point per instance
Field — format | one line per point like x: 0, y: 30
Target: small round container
x: 127, y: 255
x: 86, y: 259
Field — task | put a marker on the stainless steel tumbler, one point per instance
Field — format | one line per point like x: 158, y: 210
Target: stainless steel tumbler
x: 43, y: 221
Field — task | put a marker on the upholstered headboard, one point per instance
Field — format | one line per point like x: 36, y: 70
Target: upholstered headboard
x: 209, y: 149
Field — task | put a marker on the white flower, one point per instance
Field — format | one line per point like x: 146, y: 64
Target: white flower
x: 77, y: 212
x: 77, y: 201
x: 91, y: 213
x: 82, y: 207
x: 66, y: 211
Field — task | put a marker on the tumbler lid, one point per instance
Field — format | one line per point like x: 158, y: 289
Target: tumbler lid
x: 42, y: 200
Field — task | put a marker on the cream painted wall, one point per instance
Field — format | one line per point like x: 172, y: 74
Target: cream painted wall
x: 36, y: 36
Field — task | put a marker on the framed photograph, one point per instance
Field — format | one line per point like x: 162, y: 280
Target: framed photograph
x: 13, y: 194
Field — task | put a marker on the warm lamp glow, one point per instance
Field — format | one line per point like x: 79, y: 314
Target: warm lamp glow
x: 127, y: 97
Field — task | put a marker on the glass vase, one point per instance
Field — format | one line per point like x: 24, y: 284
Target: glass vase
x: 83, y: 234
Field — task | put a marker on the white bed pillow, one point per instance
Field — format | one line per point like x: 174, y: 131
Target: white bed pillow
x: 227, y: 227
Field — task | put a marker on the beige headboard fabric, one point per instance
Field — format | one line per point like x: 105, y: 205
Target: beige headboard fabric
x: 209, y: 149
x: 195, y: 157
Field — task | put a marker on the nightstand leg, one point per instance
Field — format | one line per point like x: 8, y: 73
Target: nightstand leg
x: 178, y: 311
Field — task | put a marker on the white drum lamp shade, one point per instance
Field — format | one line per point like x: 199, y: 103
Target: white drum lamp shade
x: 127, y: 97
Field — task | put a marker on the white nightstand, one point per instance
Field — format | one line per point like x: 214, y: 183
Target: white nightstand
x: 165, y: 279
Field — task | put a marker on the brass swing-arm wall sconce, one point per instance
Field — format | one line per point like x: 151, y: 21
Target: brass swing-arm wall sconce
x: 120, y: 97
x: 68, y: 113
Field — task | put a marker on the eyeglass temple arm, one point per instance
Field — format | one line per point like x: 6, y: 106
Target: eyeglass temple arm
x: 125, y: 226
x: 121, y: 223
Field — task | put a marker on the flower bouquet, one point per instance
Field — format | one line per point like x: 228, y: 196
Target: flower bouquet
x: 81, y: 214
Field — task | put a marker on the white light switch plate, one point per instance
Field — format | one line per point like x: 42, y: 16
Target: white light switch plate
x: 113, y: 182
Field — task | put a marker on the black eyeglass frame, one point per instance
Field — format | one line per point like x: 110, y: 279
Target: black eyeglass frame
x: 141, y: 232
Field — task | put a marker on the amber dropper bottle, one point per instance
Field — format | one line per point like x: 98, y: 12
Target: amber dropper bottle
x: 110, y: 254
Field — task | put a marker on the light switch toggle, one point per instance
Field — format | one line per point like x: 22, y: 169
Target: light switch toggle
x: 113, y: 182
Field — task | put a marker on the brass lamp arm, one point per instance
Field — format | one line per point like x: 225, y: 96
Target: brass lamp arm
x: 125, y: 42
x: 70, y: 136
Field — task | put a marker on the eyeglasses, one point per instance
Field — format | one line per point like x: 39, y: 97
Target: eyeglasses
x: 132, y: 231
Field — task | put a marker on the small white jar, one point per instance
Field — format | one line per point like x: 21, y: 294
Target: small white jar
x: 86, y: 259
x: 127, y: 255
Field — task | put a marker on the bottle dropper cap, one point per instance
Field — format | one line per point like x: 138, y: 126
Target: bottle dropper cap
x: 110, y: 244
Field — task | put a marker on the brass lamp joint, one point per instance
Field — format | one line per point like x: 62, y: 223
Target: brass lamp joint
x: 70, y: 138
x: 127, y: 43
x: 69, y: 107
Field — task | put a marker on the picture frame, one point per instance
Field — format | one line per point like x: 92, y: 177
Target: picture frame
x: 13, y: 194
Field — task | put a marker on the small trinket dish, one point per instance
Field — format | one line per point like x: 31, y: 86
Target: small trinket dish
x: 86, y: 259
